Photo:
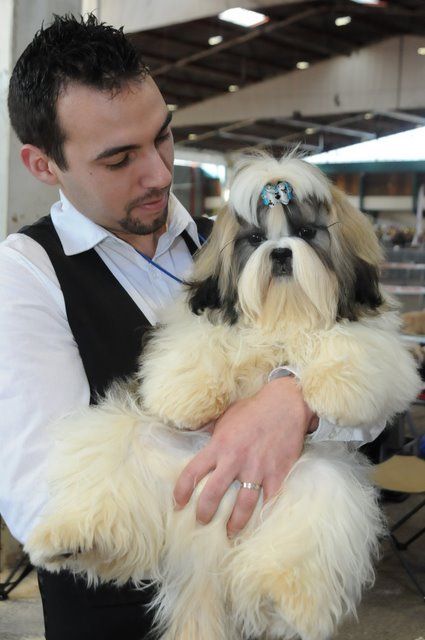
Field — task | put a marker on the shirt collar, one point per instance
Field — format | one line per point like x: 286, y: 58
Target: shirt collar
x: 78, y: 233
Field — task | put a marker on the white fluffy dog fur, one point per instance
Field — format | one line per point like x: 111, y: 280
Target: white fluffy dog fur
x: 293, y: 284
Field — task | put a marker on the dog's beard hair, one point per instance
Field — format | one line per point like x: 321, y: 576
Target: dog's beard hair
x: 307, y: 298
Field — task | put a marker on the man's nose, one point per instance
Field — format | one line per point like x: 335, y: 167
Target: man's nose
x: 155, y: 172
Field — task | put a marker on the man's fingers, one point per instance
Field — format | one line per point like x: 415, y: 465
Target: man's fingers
x: 274, y: 482
x: 244, y: 508
x: 193, y: 473
x: 271, y: 487
x: 211, y: 495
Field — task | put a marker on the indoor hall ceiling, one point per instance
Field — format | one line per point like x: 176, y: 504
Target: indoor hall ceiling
x: 188, y: 70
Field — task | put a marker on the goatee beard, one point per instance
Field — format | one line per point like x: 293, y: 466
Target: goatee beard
x: 138, y: 227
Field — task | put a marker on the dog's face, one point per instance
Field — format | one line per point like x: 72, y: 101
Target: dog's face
x: 289, y: 248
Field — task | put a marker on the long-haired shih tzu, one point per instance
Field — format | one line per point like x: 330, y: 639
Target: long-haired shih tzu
x: 289, y: 277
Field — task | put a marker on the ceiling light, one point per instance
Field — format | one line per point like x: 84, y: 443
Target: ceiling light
x: 303, y: 65
x: 421, y: 51
x: 309, y: 131
x: 192, y: 136
x: 376, y: 3
x: 342, y: 21
x: 243, y: 17
x: 215, y: 40
x: 233, y: 87
x: 172, y: 107
x: 368, y: 116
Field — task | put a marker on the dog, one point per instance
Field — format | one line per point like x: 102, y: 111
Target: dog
x: 289, y: 276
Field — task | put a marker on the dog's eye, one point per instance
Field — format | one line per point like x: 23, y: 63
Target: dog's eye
x: 307, y: 233
x: 255, y: 239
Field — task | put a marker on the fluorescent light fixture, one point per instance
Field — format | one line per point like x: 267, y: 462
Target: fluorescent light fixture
x: 303, y: 64
x: 172, y: 107
x: 377, y: 3
x: 233, y: 87
x: 342, y: 21
x: 421, y: 51
x: 215, y: 40
x: 309, y: 131
x: 398, y: 147
x: 243, y: 17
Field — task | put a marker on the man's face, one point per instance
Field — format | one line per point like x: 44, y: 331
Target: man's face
x: 119, y: 151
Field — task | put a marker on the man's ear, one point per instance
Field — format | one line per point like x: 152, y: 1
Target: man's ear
x: 40, y: 165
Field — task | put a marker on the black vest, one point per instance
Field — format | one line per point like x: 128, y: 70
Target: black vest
x: 107, y: 325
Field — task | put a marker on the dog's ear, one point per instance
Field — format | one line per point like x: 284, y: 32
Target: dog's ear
x: 357, y: 257
x: 212, y: 286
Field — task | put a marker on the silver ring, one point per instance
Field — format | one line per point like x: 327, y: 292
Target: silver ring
x: 251, y: 485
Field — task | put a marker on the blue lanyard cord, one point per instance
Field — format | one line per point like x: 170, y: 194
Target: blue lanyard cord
x: 158, y: 266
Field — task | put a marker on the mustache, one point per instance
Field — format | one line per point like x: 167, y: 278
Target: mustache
x: 151, y: 195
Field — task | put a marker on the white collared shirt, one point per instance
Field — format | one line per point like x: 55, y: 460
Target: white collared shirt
x: 41, y: 373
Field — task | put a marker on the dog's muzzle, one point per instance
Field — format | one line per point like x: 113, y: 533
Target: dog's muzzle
x: 282, y: 262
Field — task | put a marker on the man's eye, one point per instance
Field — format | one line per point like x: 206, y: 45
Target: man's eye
x: 163, y: 137
x: 122, y: 163
x: 307, y: 233
x: 255, y: 239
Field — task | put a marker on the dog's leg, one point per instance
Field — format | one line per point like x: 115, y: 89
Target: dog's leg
x: 186, y: 380
x: 304, y: 566
x: 359, y: 376
x: 192, y: 598
x: 104, y: 516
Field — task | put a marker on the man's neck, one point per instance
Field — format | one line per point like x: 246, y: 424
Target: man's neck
x: 146, y: 244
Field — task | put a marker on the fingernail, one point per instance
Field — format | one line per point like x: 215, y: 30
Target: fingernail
x: 200, y: 521
x: 231, y: 534
x: 177, y: 505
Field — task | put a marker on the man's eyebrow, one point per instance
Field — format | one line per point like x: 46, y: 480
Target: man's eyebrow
x: 166, y: 122
x: 114, y: 150
x: 108, y: 153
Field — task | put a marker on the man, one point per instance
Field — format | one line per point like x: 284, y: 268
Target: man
x: 77, y: 291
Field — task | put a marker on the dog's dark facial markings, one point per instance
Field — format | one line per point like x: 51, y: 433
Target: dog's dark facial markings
x: 256, y: 238
x: 307, y: 216
x: 362, y: 292
x: 307, y: 233
x: 206, y: 295
x: 251, y: 235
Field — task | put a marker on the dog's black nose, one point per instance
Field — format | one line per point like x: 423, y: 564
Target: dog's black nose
x: 281, y: 255
x: 282, y: 262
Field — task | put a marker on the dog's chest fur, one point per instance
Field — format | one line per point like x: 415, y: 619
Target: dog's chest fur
x: 193, y: 369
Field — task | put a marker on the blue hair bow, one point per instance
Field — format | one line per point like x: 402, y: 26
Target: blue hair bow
x: 280, y: 193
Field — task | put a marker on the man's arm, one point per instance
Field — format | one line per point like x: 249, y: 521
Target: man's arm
x: 41, y: 377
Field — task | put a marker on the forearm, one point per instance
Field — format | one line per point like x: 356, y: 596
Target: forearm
x: 41, y: 379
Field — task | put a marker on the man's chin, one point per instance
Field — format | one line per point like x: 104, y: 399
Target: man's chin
x: 131, y: 224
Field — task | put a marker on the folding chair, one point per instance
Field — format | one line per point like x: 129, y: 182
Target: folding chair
x: 21, y: 570
x: 403, y: 473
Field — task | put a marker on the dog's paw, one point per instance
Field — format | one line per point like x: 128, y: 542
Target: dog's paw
x: 56, y: 542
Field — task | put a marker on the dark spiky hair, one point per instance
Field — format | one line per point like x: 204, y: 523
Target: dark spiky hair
x: 80, y: 50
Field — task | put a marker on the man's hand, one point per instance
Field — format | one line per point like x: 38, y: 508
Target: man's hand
x: 256, y: 440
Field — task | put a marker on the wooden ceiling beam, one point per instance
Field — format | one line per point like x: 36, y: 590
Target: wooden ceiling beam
x: 247, y: 37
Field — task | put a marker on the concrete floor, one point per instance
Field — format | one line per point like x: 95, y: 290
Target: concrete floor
x: 391, y: 610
